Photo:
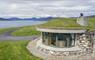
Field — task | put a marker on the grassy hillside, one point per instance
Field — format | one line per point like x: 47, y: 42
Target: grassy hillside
x: 15, y: 50
x: 3, y: 30
x: 62, y: 23
x: 68, y: 23
x: 26, y: 31
x: 91, y: 23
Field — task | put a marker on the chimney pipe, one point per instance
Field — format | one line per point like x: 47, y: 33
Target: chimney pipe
x: 81, y: 14
x: 82, y: 20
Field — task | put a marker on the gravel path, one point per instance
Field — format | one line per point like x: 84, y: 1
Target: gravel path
x: 7, y: 36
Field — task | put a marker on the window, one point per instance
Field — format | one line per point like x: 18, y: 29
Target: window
x: 53, y: 38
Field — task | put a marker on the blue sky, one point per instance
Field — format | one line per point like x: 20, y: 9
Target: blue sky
x: 45, y: 8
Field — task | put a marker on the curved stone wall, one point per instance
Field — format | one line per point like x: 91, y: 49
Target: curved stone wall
x: 59, y: 53
x: 83, y: 42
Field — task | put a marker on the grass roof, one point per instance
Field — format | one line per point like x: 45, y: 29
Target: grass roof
x: 68, y: 23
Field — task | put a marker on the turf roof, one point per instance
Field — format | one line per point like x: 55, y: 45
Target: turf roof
x: 67, y: 23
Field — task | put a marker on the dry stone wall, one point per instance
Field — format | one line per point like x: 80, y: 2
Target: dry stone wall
x: 83, y: 42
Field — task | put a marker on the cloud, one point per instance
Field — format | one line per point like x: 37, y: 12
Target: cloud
x: 43, y: 8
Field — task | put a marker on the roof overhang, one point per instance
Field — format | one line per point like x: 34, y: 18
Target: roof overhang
x: 61, y: 30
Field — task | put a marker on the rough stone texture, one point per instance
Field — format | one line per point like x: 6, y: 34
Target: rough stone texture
x: 32, y: 48
x: 87, y: 51
x: 85, y: 43
x: 84, y: 47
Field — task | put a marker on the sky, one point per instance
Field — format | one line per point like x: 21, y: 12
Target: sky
x: 46, y: 8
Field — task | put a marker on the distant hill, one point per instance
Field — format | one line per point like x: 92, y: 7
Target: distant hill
x: 33, y: 19
x: 91, y: 16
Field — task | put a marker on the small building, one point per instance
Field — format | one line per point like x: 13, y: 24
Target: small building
x: 72, y: 38
x: 65, y: 37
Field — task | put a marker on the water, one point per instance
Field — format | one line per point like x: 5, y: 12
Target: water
x: 10, y: 24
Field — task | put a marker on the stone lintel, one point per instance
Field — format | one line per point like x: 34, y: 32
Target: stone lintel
x: 60, y: 30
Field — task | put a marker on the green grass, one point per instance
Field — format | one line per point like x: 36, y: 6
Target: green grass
x: 61, y: 23
x: 15, y: 50
x: 91, y: 23
x: 26, y: 31
x: 3, y: 30
x: 31, y: 30
x: 68, y: 23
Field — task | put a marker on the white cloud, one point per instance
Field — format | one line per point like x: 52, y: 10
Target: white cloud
x: 13, y: 6
x: 43, y: 8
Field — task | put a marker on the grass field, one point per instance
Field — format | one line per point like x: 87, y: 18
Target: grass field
x: 15, y: 50
x: 21, y: 31
x: 3, y: 30
x: 26, y: 31
x: 66, y: 23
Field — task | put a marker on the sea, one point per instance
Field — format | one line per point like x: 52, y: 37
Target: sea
x: 20, y: 23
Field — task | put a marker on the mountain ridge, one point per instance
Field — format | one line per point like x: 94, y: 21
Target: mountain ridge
x: 33, y: 19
